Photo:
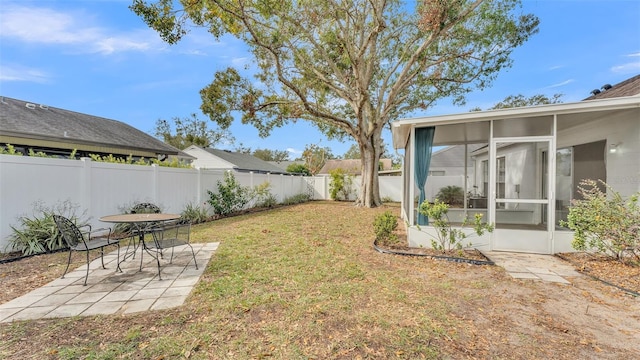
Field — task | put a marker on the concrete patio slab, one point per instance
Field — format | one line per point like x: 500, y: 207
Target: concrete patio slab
x: 533, y: 266
x: 110, y: 292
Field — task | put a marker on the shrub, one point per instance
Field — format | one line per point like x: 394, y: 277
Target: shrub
x: 9, y: 150
x: 387, y: 199
x: 299, y: 169
x: 606, y: 224
x: 384, y: 225
x: 340, y: 186
x: 39, y: 234
x: 263, y: 196
x: 449, y: 237
x: 231, y: 196
x: 451, y: 194
x: 296, y: 199
x: 195, y: 214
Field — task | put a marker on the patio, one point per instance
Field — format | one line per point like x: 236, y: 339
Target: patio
x: 114, y: 293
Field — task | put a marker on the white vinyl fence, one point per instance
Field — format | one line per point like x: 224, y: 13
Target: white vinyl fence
x: 99, y: 189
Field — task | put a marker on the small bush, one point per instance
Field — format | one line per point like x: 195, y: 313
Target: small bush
x: 263, y: 196
x: 195, y: 214
x: 384, y: 225
x: 39, y: 234
x: 296, y: 199
x: 606, y: 224
x: 451, y: 195
x: 231, y: 196
x: 340, y: 186
x: 299, y: 169
x: 449, y: 237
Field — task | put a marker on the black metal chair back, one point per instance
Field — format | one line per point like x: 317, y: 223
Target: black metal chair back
x: 70, y: 232
x: 145, y: 208
x: 79, y: 241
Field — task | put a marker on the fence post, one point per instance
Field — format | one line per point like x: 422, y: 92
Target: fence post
x: 199, y: 184
x: 85, y: 187
x: 154, y: 183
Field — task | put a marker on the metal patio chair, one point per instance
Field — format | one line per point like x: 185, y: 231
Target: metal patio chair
x: 170, y: 235
x: 85, y: 241
x: 132, y: 232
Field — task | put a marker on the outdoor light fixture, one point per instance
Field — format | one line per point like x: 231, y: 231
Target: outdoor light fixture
x: 613, y: 148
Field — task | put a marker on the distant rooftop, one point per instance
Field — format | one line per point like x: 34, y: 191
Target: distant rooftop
x: 628, y: 87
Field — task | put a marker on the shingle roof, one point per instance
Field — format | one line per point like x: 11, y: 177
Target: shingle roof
x: 245, y: 162
x: 27, y: 120
x: 628, y: 87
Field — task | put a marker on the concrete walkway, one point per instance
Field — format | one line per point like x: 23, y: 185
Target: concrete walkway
x: 109, y: 292
x: 533, y: 266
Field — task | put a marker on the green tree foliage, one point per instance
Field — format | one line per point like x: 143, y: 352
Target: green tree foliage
x: 520, y: 100
x: 352, y: 153
x: 348, y: 66
x: 315, y: 156
x: 299, y: 169
x: 190, y: 131
x: 271, y: 155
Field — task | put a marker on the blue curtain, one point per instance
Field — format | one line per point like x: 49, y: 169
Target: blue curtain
x: 424, y: 142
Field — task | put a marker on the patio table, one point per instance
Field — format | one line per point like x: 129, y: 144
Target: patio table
x: 141, y: 222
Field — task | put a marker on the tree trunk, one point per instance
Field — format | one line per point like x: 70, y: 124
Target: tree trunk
x: 369, y: 195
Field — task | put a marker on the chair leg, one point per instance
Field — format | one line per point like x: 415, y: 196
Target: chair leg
x: 158, y: 262
x: 68, y: 263
x: 101, y: 256
x: 194, y: 256
x: 87, y: 275
x: 118, y: 258
x: 141, y: 255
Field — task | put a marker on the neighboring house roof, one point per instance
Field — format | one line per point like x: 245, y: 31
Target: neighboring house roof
x: 225, y: 159
x: 628, y: 87
x: 351, y: 166
x: 30, y: 125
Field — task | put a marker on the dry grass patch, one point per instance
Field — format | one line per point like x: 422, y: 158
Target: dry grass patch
x: 303, y: 282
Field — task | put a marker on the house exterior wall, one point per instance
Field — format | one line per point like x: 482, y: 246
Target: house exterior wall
x: 623, y: 166
x: 206, y: 160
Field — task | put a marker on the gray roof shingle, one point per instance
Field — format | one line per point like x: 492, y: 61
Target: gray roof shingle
x: 628, y: 87
x: 27, y: 120
x: 246, y: 162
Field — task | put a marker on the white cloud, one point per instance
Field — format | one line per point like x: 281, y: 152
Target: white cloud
x: 240, y: 61
x: 21, y: 73
x: 627, y: 68
x: 37, y: 25
x: 566, y: 82
x: 556, y: 67
x: 294, y: 151
x: 634, y: 54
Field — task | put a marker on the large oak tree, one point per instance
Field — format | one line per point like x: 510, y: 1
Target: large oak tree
x: 348, y: 66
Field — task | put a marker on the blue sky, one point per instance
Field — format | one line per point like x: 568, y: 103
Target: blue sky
x: 99, y: 58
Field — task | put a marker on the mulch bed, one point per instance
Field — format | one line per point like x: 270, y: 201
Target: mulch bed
x: 611, y: 271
